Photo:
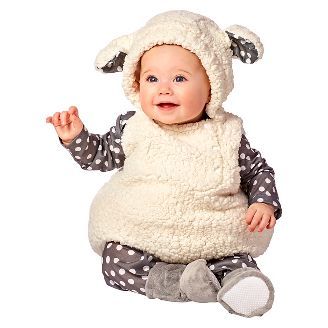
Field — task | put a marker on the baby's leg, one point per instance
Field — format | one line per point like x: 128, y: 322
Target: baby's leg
x: 245, y: 290
x: 126, y: 268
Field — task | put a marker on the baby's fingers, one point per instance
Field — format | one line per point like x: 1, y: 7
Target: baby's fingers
x: 272, y: 222
x: 64, y: 118
x: 56, y: 119
x: 255, y: 221
x: 264, y: 222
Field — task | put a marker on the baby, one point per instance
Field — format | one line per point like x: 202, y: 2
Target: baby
x: 191, y: 204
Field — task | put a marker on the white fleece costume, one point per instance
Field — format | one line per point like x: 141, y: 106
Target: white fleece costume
x: 178, y: 196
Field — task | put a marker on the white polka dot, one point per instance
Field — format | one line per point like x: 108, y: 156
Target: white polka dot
x: 100, y: 147
x: 261, y: 188
x: 116, y: 150
x: 132, y: 271
x: 248, y: 158
x: 112, y: 273
x: 142, y: 257
x: 89, y: 156
x: 119, y: 68
x: 122, y: 283
x: 117, y: 140
x: 273, y: 189
x: 144, y: 277
x: 260, y: 200
x: 267, y: 180
x: 249, y: 258
x: 77, y: 148
x: 259, y: 164
x: 106, y: 163
x: 105, y: 152
x: 121, y: 271
x: 94, y: 142
x: 131, y: 281
x: 212, y: 267
x: 116, y: 260
x: 117, y: 160
x: 145, y: 268
x: 131, y: 252
x: 112, y: 282
x: 98, y: 161
x: 150, y: 258
x: 109, y: 245
x: 242, y: 155
x: 252, y: 165
x: 111, y: 147
x: 242, y: 53
x: 119, y: 247
x: 234, y: 261
x: 142, y: 289
x: 236, y: 257
x: 247, y: 146
x: 78, y: 140
x: 255, y: 182
x: 113, y: 129
x: 87, y: 148
x: 77, y: 157
x: 244, y: 265
x: 274, y: 203
x: 267, y: 193
x: 224, y: 267
x: 89, y: 168
x: 134, y: 291
x: 248, y: 61
x: 107, y: 259
x: 243, y: 168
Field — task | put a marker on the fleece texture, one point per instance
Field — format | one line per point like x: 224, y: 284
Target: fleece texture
x: 178, y: 195
x: 196, y: 33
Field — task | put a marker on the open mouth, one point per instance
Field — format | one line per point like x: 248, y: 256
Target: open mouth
x: 167, y: 106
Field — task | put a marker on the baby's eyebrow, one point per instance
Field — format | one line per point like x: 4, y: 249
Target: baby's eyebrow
x: 179, y: 69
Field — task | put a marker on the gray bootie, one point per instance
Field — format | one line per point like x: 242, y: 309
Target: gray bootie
x: 246, y: 292
x: 164, y: 282
x: 199, y: 283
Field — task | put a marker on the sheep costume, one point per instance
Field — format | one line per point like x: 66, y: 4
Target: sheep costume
x: 178, y: 196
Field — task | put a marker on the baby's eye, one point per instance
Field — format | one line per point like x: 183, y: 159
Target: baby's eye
x: 151, y: 78
x: 180, y: 78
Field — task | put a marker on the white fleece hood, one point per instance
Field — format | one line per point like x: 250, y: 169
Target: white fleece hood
x: 214, y: 47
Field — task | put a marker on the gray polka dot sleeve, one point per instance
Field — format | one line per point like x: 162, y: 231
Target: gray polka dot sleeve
x: 100, y: 152
x: 257, y: 177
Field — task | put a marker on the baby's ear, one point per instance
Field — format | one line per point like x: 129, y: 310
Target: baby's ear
x: 111, y: 58
x: 245, y: 44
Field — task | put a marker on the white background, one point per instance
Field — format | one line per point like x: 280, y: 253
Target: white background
x: 49, y: 275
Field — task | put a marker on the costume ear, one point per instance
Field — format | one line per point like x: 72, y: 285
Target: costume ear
x: 111, y: 58
x: 245, y: 44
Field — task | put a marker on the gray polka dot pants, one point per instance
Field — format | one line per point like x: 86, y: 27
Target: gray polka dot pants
x: 126, y: 268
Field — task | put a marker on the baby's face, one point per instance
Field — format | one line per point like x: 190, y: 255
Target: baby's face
x: 173, y: 85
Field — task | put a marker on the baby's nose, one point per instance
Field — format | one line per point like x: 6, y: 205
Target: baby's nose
x: 165, y: 89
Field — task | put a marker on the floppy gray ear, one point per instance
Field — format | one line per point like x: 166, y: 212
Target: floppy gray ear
x: 245, y: 44
x: 111, y: 58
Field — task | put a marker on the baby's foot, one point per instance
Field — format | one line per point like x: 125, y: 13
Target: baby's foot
x: 199, y: 283
x: 246, y: 292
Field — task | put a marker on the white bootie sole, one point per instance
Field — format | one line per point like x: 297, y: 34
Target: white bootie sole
x: 248, y: 294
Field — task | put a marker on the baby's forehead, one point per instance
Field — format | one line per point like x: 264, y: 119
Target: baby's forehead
x: 170, y: 54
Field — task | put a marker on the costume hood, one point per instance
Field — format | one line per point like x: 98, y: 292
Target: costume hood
x: 214, y: 47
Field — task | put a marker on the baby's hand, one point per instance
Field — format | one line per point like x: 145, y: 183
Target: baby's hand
x: 67, y: 124
x: 262, y: 215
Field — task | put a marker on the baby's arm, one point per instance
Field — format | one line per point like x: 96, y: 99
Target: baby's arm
x: 257, y: 177
x: 99, y: 152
